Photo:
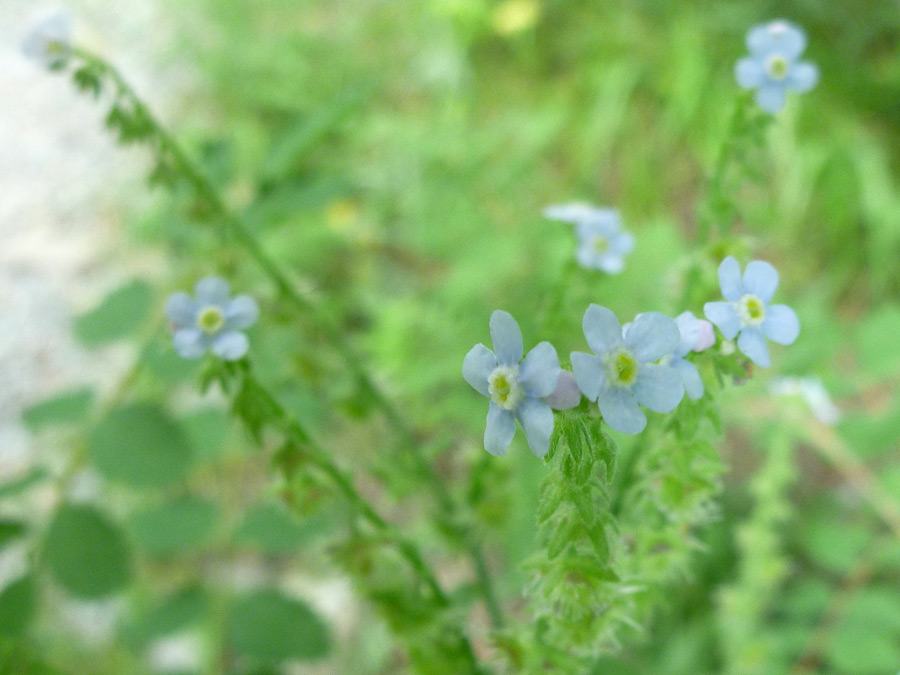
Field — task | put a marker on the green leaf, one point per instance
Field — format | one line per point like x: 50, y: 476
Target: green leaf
x: 120, y: 315
x: 9, y: 530
x: 169, y: 615
x: 65, y: 408
x: 140, y: 445
x: 17, y: 604
x: 186, y: 524
x: 208, y: 432
x: 860, y: 650
x: 272, y: 529
x: 86, y: 552
x: 16, y: 487
x: 270, y: 627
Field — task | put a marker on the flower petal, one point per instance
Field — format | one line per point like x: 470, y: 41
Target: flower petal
x: 621, y: 411
x: 478, y: 365
x: 574, y: 212
x: 507, y: 338
x: 610, y: 263
x: 652, y: 336
x: 707, y: 336
x: 241, y: 312
x: 230, y: 345
x: 539, y: 371
x: 761, y: 279
x: 601, y: 329
x: 781, y: 324
x: 771, y: 98
x: 181, y: 310
x: 567, y: 395
x: 212, y: 291
x: 659, y: 388
x: 622, y: 243
x: 588, y: 372
x: 499, y: 430
x: 536, y: 419
x: 690, y: 377
x: 802, y: 77
x: 586, y: 256
x: 749, y: 73
x: 753, y: 344
x: 190, y: 343
x: 779, y: 37
x: 724, y: 316
x: 688, y: 331
x: 730, y: 279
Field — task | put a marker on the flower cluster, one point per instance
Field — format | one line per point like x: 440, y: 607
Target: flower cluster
x: 602, y: 243
x: 641, y: 365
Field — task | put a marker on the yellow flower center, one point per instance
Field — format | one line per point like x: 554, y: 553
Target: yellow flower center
x: 210, y: 320
x: 777, y: 67
x: 621, y: 367
x: 504, y: 387
x: 751, y: 310
x: 600, y: 244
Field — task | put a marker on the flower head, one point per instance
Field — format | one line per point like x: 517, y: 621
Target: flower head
x: 49, y: 41
x: 773, y: 67
x: 602, y: 244
x: 621, y: 373
x: 747, y: 313
x: 516, y: 386
x: 211, y: 321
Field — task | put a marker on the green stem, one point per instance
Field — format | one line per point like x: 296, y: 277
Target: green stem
x: 335, y: 337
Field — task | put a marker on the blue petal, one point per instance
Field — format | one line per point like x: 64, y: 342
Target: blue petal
x: 802, y: 77
x: 597, y: 226
x: 778, y: 37
x: 588, y: 371
x: 781, y: 324
x: 230, y: 345
x: 688, y: 331
x: 601, y: 329
x: 181, y: 310
x: 212, y: 291
x: 690, y: 376
x: 241, y: 313
x: 652, y: 336
x: 536, y: 419
x: 620, y: 410
x: 749, y: 73
x: 759, y: 40
x: 761, y: 279
x: 730, y: 279
x: 574, y: 212
x: 659, y: 388
x: 507, y: 338
x: 539, y: 371
x: 478, y: 365
x: 567, y: 395
x: 723, y: 315
x: 499, y: 430
x: 190, y: 343
x: 586, y: 256
x: 610, y: 263
x: 753, y: 345
x: 622, y: 243
x: 771, y: 97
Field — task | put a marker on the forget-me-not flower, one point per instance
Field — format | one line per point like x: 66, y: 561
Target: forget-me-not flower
x: 515, y: 386
x: 773, y: 67
x: 602, y: 243
x: 49, y: 41
x: 746, y: 311
x: 693, y: 334
x: 622, y: 371
x: 211, y: 321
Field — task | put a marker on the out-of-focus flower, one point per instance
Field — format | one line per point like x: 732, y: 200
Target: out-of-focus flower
x: 515, y: 386
x: 773, y: 67
x: 813, y: 392
x: 621, y: 373
x: 602, y: 243
x: 211, y: 321
x: 49, y: 40
x: 747, y: 312
x: 567, y: 395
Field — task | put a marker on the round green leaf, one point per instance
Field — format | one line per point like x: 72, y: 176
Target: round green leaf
x: 86, y: 552
x: 271, y: 528
x: 185, y: 524
x: 64, y: 408
x: 140, y: 445
x: 17, y: 602
x: 270, y: 627
x: 120, y: 314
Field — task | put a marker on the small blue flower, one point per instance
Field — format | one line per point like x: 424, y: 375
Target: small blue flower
x: 212, y: 321
x: 621, y: 373
x: 515, y: 386
x: 691, y: 330
x: 773, y: 67
x: 49, y: 41
x: 602, y: 244
x: 747, y: 311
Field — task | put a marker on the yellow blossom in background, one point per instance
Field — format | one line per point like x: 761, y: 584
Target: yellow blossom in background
x: 514, y: 16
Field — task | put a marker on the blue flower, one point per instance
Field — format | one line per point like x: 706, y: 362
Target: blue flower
x: 602, y: 244
x: 212, y: 321
x: 515, y: 386
x: 621, y: 373
x: 692, y: 332
x: 773, y: 68
x: 747, y: 311
x: 49, y: 41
